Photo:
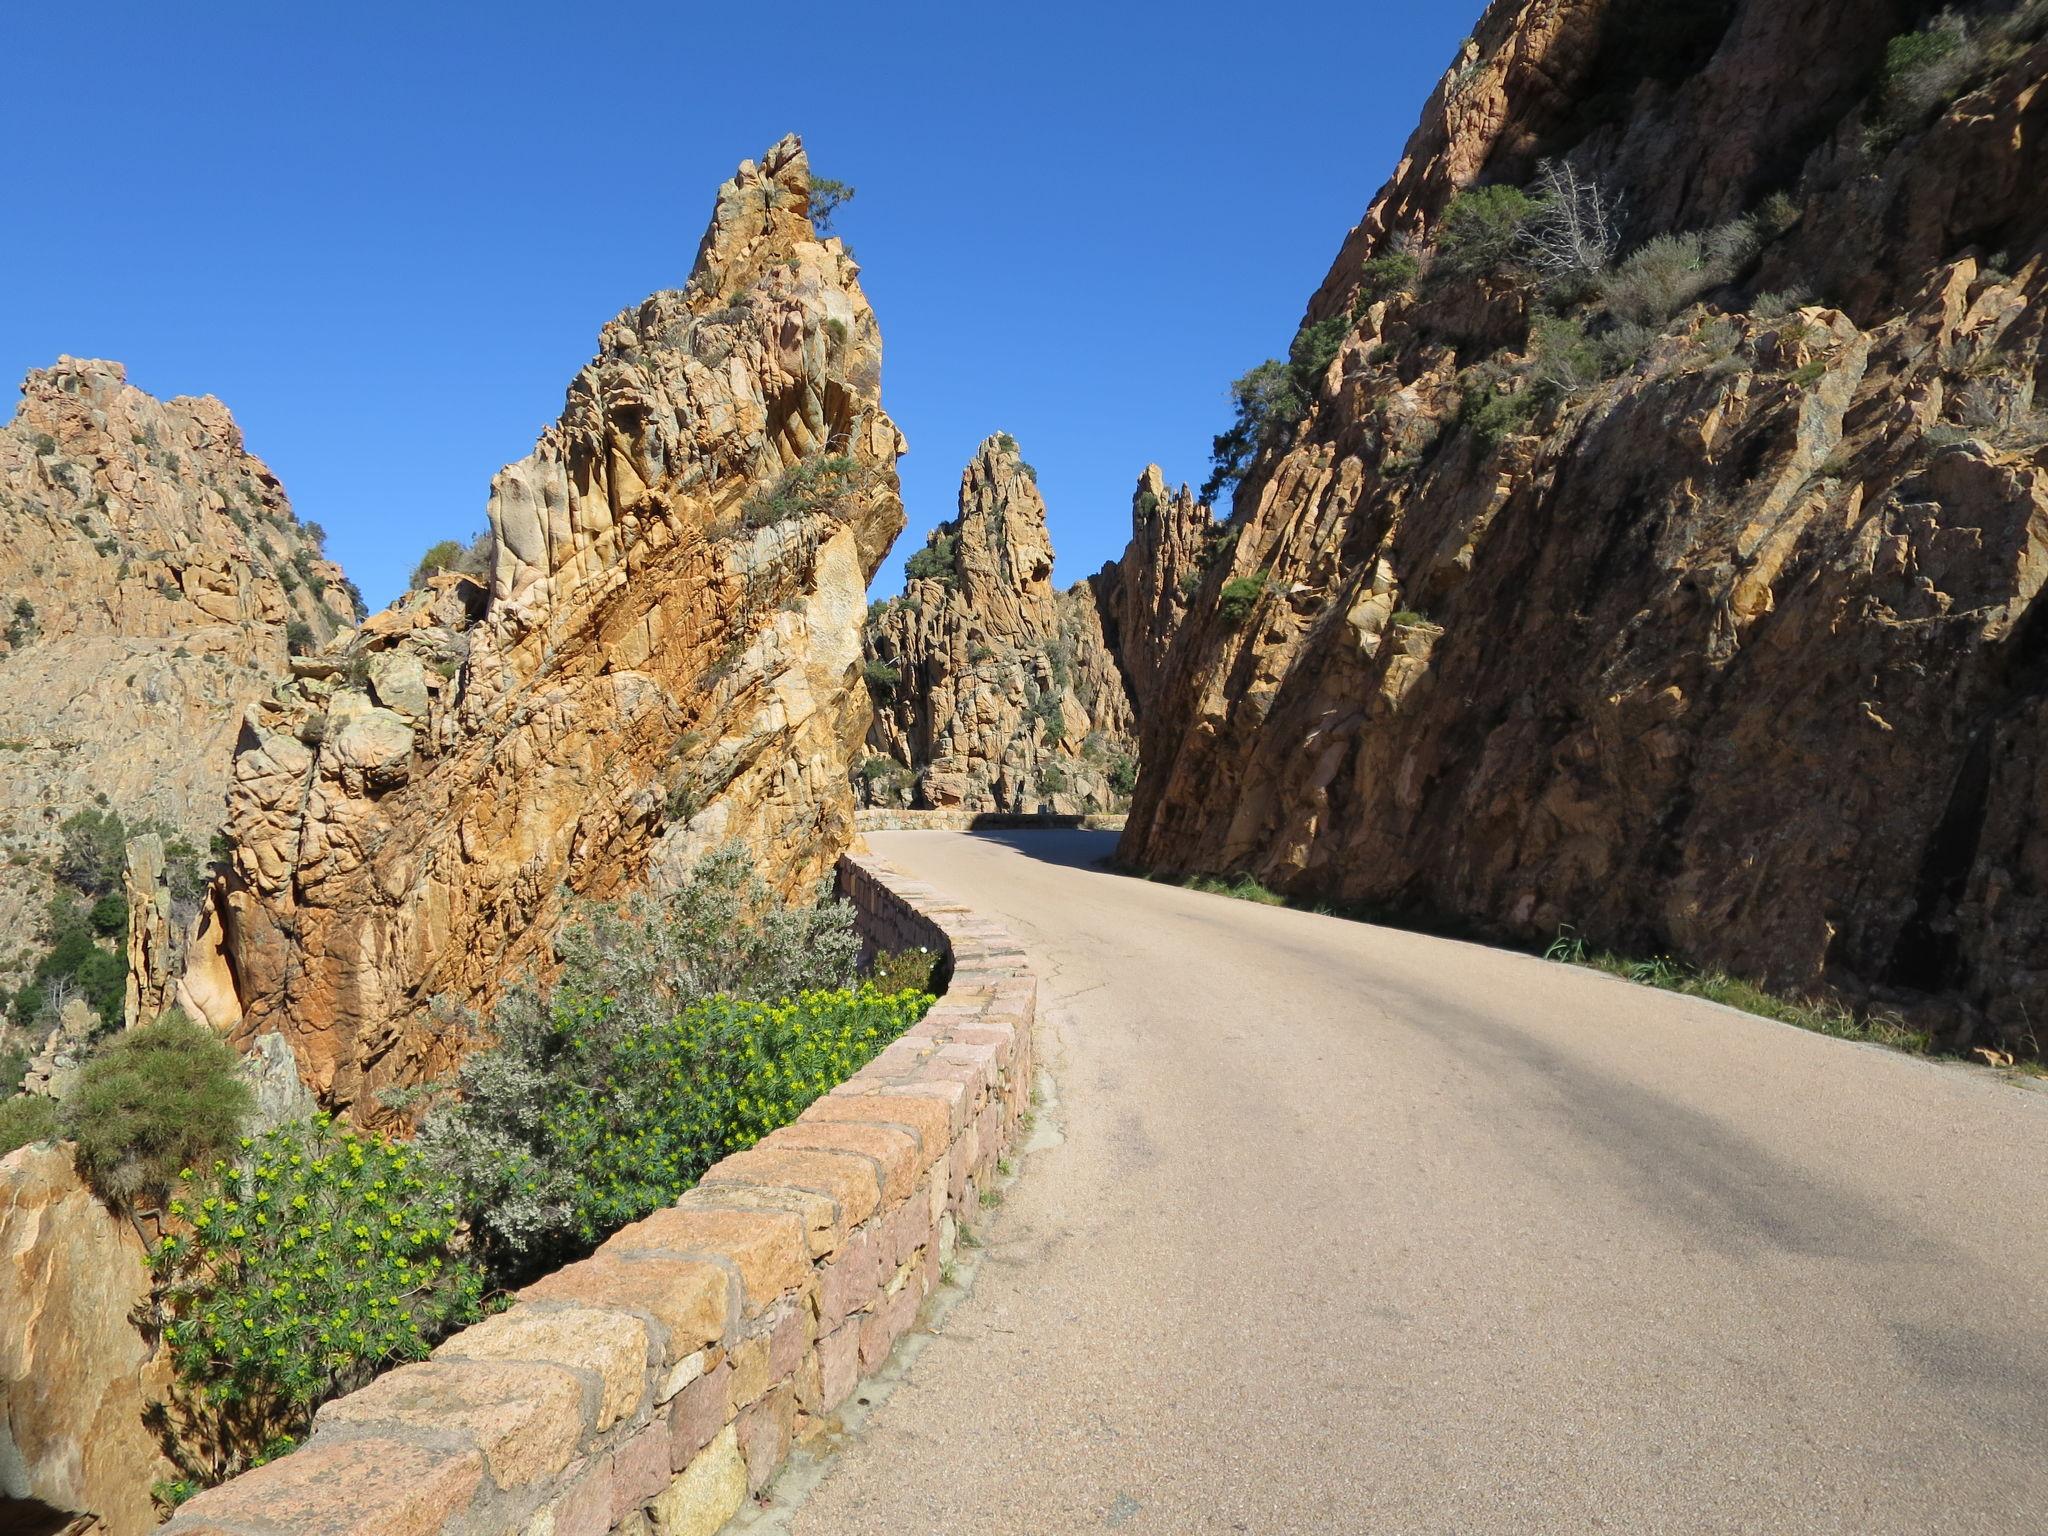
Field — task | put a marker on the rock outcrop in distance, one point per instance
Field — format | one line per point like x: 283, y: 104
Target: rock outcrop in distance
x: 664, y: 655
x: 994, y: 691
x: 154, y: 580
x: 1669, y: 570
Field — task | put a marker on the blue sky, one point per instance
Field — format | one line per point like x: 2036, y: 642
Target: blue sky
x: 386, y: 234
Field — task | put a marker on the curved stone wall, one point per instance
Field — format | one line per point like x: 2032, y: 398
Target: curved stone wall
x: 653, y: 1386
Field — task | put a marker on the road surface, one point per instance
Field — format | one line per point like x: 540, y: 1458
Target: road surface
x: 1354, y: 1230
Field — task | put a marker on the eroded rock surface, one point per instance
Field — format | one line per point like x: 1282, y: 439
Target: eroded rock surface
x: 664, y: 655
x: 75, y: 1372
x: 153, y: 580
x: 1733, y: 649
x: 993, y: 690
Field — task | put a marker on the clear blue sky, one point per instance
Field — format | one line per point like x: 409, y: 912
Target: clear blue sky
x: 386, y: 234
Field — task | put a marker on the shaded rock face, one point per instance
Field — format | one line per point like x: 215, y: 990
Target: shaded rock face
x: 993, y: 691
x: 1733, y: 647
x: 664, y: 655
x: 75, y: 1372
x: 151, y: 575
x: 1145, y: 596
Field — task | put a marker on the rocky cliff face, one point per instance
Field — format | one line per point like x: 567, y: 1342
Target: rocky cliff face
x: 992, y: 690
x: 75, y: 1372
x: 153, y: 579
x: 665, y: 655
x: 1145, y: 596
x: 1685, y: 590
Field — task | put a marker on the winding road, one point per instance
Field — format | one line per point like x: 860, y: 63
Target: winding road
x: 1338, y: 1229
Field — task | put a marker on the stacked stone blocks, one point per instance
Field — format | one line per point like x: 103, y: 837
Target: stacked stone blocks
x: 652, y: 1387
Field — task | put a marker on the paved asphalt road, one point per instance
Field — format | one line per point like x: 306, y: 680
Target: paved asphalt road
x: 1352, y: 1230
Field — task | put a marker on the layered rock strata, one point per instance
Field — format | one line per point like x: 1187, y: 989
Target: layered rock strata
x: 1722, y: 634
x: 993, y: 690
x: 664, y: 655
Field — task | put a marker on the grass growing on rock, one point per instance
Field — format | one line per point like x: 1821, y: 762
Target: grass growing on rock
x: 1717, y: 986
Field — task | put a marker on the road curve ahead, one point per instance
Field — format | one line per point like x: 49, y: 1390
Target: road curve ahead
x: 1356, y: 1231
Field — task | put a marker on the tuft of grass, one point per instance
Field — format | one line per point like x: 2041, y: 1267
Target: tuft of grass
x: 1717, y: 986
x: 1241, y: 887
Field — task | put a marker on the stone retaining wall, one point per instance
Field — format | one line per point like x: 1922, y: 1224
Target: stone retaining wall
x: 652, y: 1387
x: 872, y: 819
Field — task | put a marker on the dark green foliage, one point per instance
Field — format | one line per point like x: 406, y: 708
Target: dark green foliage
x: 643, y: 1113
x: 44, y: 444
x: 1052, y: 779
x: 1494, y: 415
x: 1123, y: 775
x: 1480, y: 229
x: 874, y: 769
x: 1147, y: 506
x: 298, y: 637
x: 1240, y: 596
x: 631, y: 970
x: 150, y: 1102
x: 472, y: 559
x: 1390, y: 272
x: 94, y: 853
x: 815, y: 484
x: 827, y: 198
x: 881, y: 678
x: 904, y: 970
x: 1268, y: 405
x: 934, y: 562
x: 1006, y: 443
x: 316, y: 1260
x: 109, y: 915
x: 24, y: 1118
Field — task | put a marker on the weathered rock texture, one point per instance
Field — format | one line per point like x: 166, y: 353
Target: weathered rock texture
x: 657, y: 1384
x: 1738, y: 654
x: 75, y: 1372
x: 994, y: 691
x: 665, y: 655
x: 1144, y: 597
x: 151, y: 575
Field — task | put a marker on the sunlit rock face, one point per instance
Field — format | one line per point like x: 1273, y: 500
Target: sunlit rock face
x: 663, y: 655
x: 1730, y: 649
x: 153, y: 580
x: 995, y: 691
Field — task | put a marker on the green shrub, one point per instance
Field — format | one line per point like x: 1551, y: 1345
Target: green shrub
x: 1806, y: 375
x: 1268, y: 405
x: 1670, y: 272
x: 302, y: 1269
x: 814, y: 484
x: 109, y: 915
x: 76, y: 965
x: 1052, y: 779
x: 624, y: 969
x: 874, y: 769
x: 881, y: 677
x: 151, y: 1101
x: 904, y: 970
x: 1493, y: 415
x: 1480, y: 230
x: 473, y: 559
x: 827, y: 198
x: 934, y: 562
x: 93, y: 854
x: 1240, y: 596
x: 1388, y: 273
x: 637, y: 1115
x: 24, y: 1118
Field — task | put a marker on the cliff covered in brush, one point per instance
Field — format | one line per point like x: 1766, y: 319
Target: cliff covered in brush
x: 1645, y: 533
